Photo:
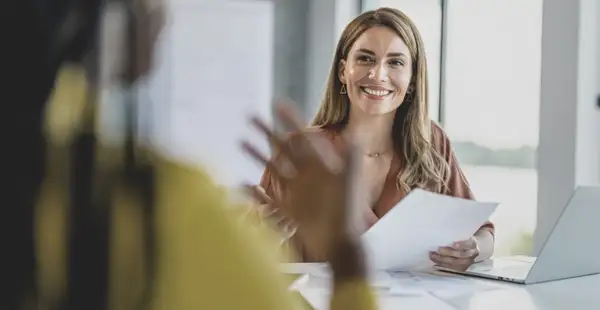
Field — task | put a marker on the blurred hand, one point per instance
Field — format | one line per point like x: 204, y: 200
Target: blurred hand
x: 458, y: 257
x: 270, y: 211
x: 316, y: 180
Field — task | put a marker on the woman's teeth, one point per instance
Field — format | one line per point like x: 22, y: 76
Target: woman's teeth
x: 376, y: 92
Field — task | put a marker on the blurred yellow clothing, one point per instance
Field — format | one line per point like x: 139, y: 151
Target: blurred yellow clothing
x: 212, y: 253
x: 208, y: 260
x: 225, y: 265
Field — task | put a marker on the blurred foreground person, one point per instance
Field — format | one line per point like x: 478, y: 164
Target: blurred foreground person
x: 107, y: 226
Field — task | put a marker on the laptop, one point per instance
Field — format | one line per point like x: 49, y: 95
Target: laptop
x: 570, y: 250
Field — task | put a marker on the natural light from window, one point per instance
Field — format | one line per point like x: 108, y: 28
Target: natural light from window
x: 490, y: 106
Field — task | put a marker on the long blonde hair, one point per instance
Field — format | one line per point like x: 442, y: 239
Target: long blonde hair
x: 423, y: 166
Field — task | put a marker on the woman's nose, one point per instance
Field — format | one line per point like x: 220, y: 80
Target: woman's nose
x: 379, y: 73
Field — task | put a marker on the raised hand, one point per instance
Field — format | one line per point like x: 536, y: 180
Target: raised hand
x: 270, y: 211
x: 317, y: 182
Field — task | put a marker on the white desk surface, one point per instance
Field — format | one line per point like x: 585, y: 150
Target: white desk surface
x: 570, y: 294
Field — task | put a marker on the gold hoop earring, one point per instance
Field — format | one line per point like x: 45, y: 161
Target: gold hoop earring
x: 409, y: 95
x: 343, y: 91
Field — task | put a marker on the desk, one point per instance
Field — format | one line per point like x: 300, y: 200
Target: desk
x: 570, y: 294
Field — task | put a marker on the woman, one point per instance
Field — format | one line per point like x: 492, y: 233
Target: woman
x: 376, y: 97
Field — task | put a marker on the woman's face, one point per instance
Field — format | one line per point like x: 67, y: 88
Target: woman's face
x: 377, y: 72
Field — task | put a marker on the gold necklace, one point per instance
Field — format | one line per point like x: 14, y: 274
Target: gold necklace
x: 374, y: 154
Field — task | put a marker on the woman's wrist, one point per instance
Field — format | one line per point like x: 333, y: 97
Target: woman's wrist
x: 485, y: 244
x: 347, y: 261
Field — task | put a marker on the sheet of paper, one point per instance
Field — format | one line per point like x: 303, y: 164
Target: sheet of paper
x: 394, y: 289
x: 320, y: 298
x: 444, y: 286
x: 322, y: 272
x: 420, y: 223
x: 314, y: 269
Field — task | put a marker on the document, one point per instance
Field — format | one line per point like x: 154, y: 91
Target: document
x: 443, y: 286
x: 320, y: 298
x: 313, y: 269
x: 321, y: 271
x: 395, y: 290
x: 420, y: 223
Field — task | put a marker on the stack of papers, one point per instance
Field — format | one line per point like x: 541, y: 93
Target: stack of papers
x: 422, y: 222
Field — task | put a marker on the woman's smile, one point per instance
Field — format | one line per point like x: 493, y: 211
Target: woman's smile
x: 375, y: 93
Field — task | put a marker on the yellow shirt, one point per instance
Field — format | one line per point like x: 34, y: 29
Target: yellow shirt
x: 208, y: 260
x: 211, y: 254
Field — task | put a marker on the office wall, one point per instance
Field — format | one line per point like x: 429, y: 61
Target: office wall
x: 305, y: 36
x: 290, y: 50
x: 326, y: 21
x: 210, y: 74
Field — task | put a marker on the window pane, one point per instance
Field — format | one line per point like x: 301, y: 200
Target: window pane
x: 491, y: 107
x: 427, y: 15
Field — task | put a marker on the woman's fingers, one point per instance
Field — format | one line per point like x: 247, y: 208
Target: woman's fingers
x: 301, y: 148
x: 256, y: 154
x: 258, y: 194
x: 451, y: 262
x: 286, y: 225
x: 268, y: 209
x: 464, y: 245
x: 305, y: 148
x: 274, y: 139
x: 457, y: 253
x: 281, y: 169
x: 309, y: 144
x: 288, y: 116
x: 459, y: 264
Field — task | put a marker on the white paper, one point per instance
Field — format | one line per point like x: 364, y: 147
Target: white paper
x: 299, y: 282
x: 321, y: 272
x: 313, y: 269
x: 415, y: 289
x: 215, y: 69
x: 420, y: 223
x: 320, y: 298
x: 444, y: 286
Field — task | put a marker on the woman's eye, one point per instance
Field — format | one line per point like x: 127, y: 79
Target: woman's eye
x: 397, y: 63
x: 364, y: 59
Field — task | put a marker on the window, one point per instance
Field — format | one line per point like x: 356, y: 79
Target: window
x: 427, y: 15
x: 491, y: 107
x: 489, y: 99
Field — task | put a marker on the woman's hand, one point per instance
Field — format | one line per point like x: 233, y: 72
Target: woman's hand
x: 269, y: 210
x: 317, y: 181
x: 458, y: 257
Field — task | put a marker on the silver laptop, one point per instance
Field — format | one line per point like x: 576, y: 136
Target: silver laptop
x: 571, y: 249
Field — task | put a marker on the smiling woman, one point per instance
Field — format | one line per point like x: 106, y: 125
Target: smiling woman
x: 377, y: 98
x: 377, y: 72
